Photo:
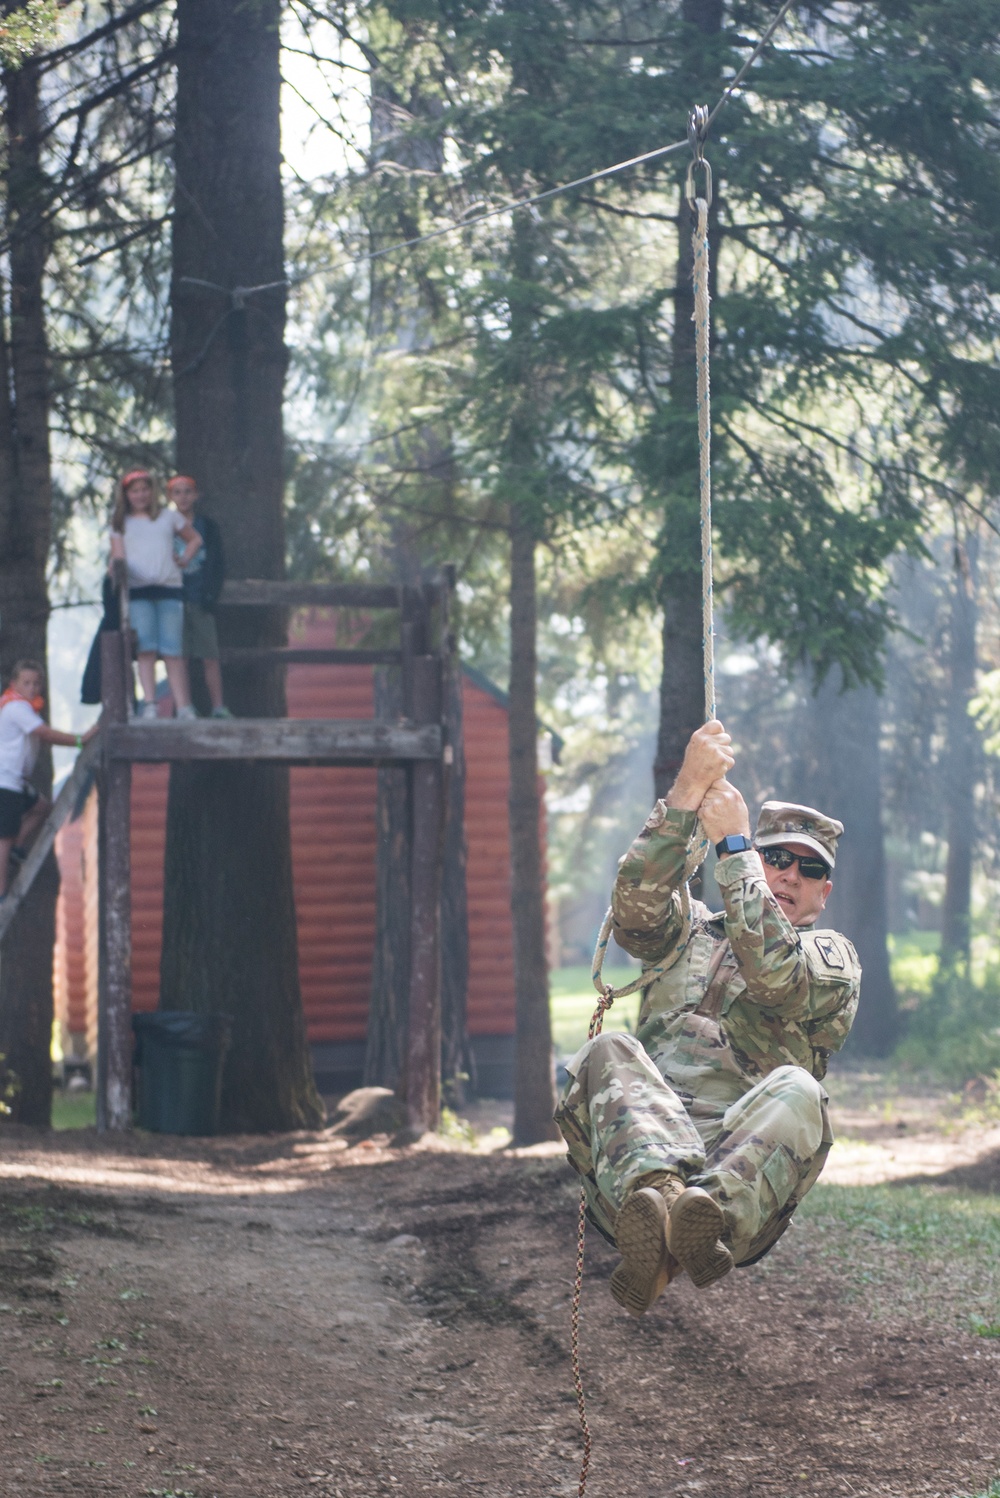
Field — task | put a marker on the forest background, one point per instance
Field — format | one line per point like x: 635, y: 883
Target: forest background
x: 517, y: 397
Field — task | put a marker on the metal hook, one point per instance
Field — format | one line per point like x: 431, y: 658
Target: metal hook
x: 697, y: 126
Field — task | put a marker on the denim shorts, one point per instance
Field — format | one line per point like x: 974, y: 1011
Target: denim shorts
x: 159, y: 623
x: 14, y: 807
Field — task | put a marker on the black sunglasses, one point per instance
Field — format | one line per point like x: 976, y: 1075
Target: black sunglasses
x: 783, y: 858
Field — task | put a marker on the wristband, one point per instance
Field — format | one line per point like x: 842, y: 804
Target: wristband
x: 79, y: 741
x: 734, y: 843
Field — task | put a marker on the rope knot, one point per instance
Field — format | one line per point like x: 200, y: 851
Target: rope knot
x: 604, y: 1003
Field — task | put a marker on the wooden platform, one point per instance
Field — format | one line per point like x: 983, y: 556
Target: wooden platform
x: 292, y: 741
x: 420, y: 740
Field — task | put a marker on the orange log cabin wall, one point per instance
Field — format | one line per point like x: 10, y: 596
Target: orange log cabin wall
x: 333, y: 855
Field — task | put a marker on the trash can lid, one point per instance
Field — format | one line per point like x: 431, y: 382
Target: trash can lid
x: 185, y: 1027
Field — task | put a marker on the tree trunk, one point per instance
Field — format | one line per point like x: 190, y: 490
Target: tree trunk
x: 25, y: 541
x: 960, y: 781
x: 522, y: 480
x: 229, y: 915
x: 845, y: 782
x: 457, y: 1065
x: 534, y: 1081
x: 682, y: 689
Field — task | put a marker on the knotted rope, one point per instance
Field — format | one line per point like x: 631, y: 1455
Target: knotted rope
x: 698, y: 846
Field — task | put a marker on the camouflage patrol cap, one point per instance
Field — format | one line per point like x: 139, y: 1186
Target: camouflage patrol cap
x: 784, y: 822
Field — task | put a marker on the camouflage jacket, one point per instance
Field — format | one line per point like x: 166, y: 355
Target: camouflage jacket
x: 750, y: 992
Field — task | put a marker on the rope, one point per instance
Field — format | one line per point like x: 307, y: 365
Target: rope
x: 698, y: 847
x: 608, y: 994
x: 604, y: 1003
x: 701, y: 334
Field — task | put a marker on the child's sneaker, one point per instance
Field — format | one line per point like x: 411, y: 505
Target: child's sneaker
x: 147, y: 712
x: 221, y: 712
x: 186, y: 712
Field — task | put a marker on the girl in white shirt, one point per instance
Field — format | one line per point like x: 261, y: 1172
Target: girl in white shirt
x: 142, y: 535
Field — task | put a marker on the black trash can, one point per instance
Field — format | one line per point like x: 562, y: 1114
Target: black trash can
x: 180, y: 1055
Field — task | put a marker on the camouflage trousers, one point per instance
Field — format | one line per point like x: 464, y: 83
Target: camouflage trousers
x: 758, y: 1157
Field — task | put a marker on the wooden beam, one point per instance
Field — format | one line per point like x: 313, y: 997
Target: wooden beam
x: 61, y: 808
x: 262, y: 593
x: 114, y: 1055
x: 289, y: 655
x: 332, y: 741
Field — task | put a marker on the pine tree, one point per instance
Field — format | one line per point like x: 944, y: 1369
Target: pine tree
x: 229, y: 941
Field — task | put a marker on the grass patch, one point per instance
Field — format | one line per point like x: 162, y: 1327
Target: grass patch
x: 898, y: 1247
x: 572, y: 1000
x: 74, y: 1110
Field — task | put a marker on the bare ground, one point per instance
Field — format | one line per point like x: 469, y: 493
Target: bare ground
x: 291, y: 1316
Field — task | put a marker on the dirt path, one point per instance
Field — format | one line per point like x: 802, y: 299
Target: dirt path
x: 274, y: 1318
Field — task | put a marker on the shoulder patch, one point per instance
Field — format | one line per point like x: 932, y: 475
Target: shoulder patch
x: 830, y: 952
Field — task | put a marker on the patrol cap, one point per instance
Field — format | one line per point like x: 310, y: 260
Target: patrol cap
x: 784, y: 822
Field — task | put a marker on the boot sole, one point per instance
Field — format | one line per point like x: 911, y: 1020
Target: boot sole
x: 640, y: 1233
x: 694, y: 1228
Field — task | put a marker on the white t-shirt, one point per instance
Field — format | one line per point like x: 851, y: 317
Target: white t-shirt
x: 18, y: 746
x: 149, y: 550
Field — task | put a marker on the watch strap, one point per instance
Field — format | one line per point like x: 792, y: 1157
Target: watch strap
x: 734, y: 843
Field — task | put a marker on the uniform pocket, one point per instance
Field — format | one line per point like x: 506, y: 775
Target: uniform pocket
x: 781, y: 1173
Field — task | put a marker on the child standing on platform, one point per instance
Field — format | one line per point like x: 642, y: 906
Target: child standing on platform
x: 203, y: 579
x: 142, y: 535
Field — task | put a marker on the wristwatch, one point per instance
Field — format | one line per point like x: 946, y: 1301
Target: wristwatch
x: 734, y: 843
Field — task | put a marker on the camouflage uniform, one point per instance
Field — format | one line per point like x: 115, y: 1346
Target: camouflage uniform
x: 721, y: 1082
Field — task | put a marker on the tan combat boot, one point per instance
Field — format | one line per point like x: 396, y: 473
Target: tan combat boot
x: 647, y: 1265
x: 695, y: 1226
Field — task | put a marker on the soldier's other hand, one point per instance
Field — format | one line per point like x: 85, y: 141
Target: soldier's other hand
x: 723, y: 812
x: 707, y: 758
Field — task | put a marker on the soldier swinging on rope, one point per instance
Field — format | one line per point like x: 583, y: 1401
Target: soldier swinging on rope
x: 698, y: 1137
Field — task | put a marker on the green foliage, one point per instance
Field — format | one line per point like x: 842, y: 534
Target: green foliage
x: 534, y: 362
x: 26, y: 29
x: 457, y: 1129
x: 955, y: 1030
x: 985, y: 709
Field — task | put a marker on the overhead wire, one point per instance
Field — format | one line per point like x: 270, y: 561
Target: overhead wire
x: 239, y: 294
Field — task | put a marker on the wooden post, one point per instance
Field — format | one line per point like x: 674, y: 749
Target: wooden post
x: 423, y: 1067
x: 414, y: 640
x: 114, y: 1048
